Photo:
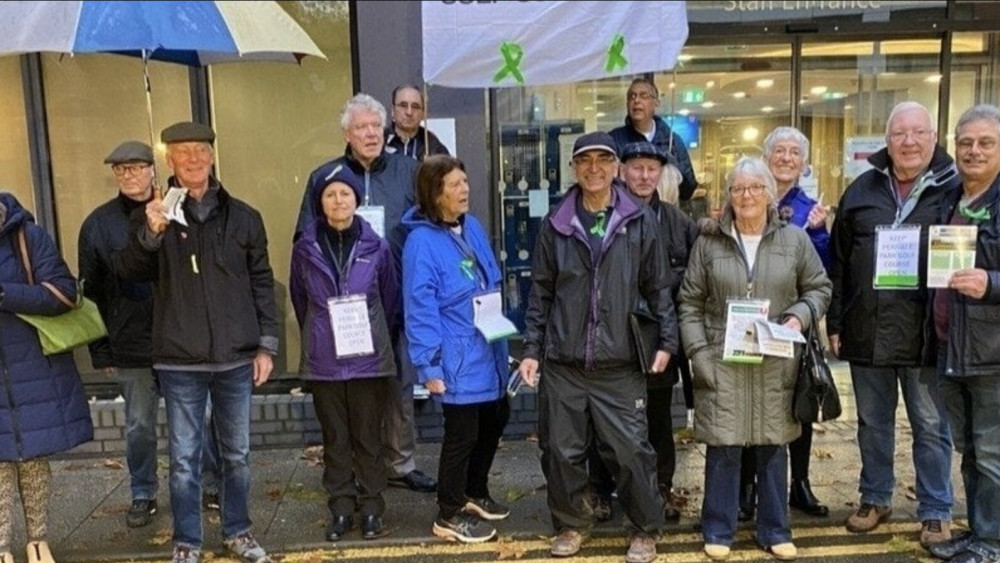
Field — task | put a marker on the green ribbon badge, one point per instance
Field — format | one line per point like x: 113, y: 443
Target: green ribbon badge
x: 977, y: 215
x: 467, y: 266
x: 512, y: 55
x: 615, y: 57
x: 599, y: 223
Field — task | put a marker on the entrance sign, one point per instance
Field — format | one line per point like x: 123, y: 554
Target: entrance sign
x: 496, y: 44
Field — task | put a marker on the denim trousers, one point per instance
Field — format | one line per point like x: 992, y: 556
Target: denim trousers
x: 974, y: 407
x: 186, y: 394
x: 142, y: 399
x: 876, y: 390
x: 720, y: 507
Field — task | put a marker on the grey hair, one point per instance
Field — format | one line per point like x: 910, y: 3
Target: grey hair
x: 669, y: 186
x: 359, y: 103
x: 755, y: 168
x: 908, y: 106
x: 976, y: 113
x: 785, y: 133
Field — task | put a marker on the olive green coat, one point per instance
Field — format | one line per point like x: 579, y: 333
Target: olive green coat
x: 746, y: 404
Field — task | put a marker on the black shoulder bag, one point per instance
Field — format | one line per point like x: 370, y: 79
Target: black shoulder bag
x: 816, y: 398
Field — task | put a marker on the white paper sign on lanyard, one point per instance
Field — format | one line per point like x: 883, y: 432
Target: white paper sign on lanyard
x: 352, y: 330
x: 489, y: 318
x: 897, y: 257
x: 741, y: 344
x: 375, y: 216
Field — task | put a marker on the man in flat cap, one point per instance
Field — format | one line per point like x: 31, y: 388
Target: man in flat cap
x: 643, y: 167
x: 214, y: 333
x: 127, y: 309
x: 599, y: 246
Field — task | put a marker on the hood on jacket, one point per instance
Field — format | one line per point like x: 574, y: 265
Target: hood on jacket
x: 942, y: 167
x: 12, y: 215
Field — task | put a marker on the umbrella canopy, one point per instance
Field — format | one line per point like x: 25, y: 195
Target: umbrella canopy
x: 194, y: 33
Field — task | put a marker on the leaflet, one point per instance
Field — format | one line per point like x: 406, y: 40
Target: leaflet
x: 950, y: 248
x: 173, y: 202
x: 489, y: 319
x: 777, y: 340
x: 740, y: 345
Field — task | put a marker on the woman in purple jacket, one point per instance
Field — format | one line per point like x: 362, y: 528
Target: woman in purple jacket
x: 345, y: 294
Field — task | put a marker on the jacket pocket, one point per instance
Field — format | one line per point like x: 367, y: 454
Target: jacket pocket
x: 980, y: 333
x: 468, y: 365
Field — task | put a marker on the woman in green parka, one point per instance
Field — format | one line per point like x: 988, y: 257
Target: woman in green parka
x: 747, y: 262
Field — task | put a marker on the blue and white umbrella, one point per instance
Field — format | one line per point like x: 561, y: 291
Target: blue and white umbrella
x: 189, y: 32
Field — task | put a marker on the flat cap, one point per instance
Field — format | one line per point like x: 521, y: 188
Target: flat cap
x: 130, y: 151
x: 595, y: 141
x: 187, y: 131
x: 648, y: 150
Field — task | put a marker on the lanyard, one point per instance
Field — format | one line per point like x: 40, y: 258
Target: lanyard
x: 470, y: 266
x: 341, y: 271
x: 751, y: 272
x: 904, y: 208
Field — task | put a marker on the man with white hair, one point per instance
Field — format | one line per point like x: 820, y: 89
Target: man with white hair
x: 880, y: 325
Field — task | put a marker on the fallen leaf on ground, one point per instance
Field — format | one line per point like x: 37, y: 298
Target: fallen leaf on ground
x: 820, y: 453
x: 510, y: 550
x: 113, y: 464
x: 163, y: 535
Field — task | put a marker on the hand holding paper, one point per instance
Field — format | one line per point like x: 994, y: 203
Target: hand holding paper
x: 172, y: 203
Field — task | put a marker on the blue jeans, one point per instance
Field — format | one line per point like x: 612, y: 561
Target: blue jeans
x: 876, y: 391
x: 186, y: 394
x: 142, y: 400
x: 720, y: 507
x: 211, y: 470
x: 974, y: 406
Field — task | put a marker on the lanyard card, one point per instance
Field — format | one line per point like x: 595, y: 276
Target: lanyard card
x: 352, y: 330
x: 950, y: 248
x: 375, y: 215
x: 741, y: 344
x: 897, y: 257
x: 489, y: 319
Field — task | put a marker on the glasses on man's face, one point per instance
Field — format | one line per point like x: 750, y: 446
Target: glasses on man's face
x: 985, y: 144
x: 587, y: 162
x: 409, y: 105
x: 754, y: 190
x: 917, y: 135
x: 645, y: 96
x: 122, y: 170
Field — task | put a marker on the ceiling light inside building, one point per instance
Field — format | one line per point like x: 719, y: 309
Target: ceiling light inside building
x: 750, y: 134
x: 765, y: 83
x: 708, y: 105
x: 933, y: 79
x: 739, y: 95
x: 684, y: 111
x: 767, y: 109
x: 818, y: 90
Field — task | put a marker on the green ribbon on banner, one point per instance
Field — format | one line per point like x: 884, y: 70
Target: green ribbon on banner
x: 615, y: 57
x: 512, y: 55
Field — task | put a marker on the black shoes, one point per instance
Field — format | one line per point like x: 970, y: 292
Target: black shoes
x: 372, y: 527
x: 415, y: 480
x: 801, y: 497
x: 748, y: 502
x: 948, y: 549
x: 339, y: 527
x: 140, y: 513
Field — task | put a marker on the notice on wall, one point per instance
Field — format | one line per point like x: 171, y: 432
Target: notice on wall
x: 856, y: 153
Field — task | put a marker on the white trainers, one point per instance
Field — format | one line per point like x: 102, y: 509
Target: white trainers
x: 246, y: 549
x: 38, y: 552
x: 716, y: 552
x: 783, y: 551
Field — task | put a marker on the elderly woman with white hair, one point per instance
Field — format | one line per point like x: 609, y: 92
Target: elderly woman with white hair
x: 747, y: 265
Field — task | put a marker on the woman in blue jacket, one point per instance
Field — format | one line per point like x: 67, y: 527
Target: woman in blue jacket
x: 345, y: 294
x: 43, y: 409
x: 448, y: 271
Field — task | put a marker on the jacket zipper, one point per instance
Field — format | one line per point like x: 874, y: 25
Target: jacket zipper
x: 13, y: 405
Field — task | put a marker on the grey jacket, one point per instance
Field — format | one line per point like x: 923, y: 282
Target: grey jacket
x: 746, y: 404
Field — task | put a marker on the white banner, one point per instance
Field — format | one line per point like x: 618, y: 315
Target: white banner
x: 517, y: 43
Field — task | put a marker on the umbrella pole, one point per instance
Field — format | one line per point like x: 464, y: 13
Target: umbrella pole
x: 149, y: 108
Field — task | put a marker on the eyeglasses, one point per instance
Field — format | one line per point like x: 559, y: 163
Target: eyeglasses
x: 986, y: 144
x: 121, y: 170
x: 645, y: 96
x: 755, y: 190
x: 918, y: 135
x: 585, y: 162
x: 409, y: 105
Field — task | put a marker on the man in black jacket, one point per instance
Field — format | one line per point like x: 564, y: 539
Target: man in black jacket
x: 600, y: 247
x: 127, y: 309
x: 406, y: 135
x: 879, y: 323
x: 214, y: 332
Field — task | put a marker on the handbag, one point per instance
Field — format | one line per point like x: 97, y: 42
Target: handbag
x: 816, y: 398
x: 81, y: 325
x: 646, y: 338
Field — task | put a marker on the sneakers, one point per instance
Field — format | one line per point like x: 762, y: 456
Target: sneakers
x: 641, y: 548
x: 568, y: 543
x: 487, y: 508
x: 783, y: 551
x: 463, y: 527
x: 38, y: 552
x: 867, y: 518
x: 140, y: 513
x: 210, y: 501
x: 934, y: 531
x: 246, y: 549
x: 601, y: 507
x: 186, y: 555
x: 716, y: 551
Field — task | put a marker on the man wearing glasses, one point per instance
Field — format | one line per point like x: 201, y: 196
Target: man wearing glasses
x: 406, y: 136
x: 878, y: 317
x: 642, y: 124
x: 600, y: 247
